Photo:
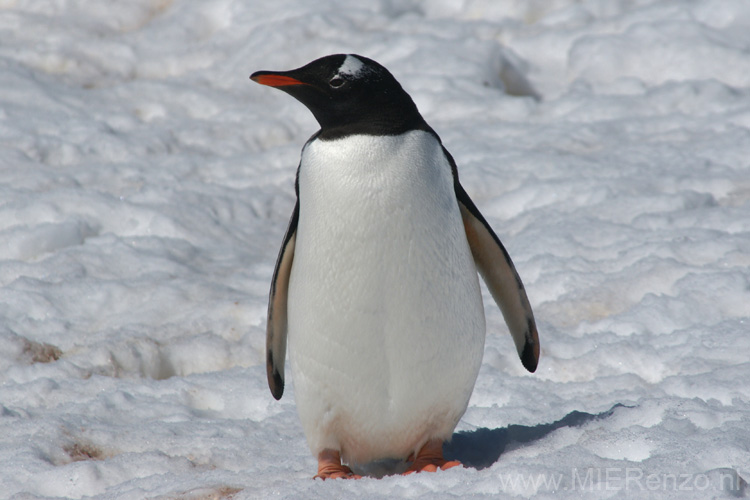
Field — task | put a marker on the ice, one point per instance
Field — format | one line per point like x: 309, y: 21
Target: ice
x: 146, y: 183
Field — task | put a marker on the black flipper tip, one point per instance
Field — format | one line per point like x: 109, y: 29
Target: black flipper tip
x: 277, y: 389
x: 529, y: 357
x: 275, y: 382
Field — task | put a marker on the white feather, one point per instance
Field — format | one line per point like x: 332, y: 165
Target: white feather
x: 386, y: 324
x: 351, y: 66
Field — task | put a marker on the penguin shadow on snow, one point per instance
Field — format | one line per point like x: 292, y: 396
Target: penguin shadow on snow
x: 482, y: 447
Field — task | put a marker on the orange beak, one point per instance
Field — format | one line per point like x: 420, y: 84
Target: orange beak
x: 275, y: 80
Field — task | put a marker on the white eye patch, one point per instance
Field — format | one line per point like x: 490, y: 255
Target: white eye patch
x: 351, y: 66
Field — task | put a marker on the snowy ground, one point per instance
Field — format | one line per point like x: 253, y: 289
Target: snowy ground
x: 145, y: 184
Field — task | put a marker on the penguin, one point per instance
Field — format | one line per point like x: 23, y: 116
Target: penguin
x: 375, y: 291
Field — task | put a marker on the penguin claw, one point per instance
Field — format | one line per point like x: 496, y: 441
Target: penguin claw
x: 343, y: 473
x: 450, y: 464
x: 431, y: 467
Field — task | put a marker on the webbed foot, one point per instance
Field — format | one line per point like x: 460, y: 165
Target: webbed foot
x: 330, y: 467
x: 430, y: 459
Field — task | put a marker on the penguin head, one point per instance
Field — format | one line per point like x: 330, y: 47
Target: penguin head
x: 348, y: 94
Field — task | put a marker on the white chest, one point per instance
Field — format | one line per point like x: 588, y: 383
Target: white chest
x: 375, y: 182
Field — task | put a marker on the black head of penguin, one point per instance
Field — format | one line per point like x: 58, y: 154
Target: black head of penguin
x: 348, y: 94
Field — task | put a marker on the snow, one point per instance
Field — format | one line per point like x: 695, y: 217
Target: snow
x: 145, y: 186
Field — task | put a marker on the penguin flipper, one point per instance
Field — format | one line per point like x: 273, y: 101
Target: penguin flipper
x: 503, y: 282
x: 276, y: 326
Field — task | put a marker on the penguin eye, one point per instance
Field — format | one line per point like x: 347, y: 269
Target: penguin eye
x: 336, y: 82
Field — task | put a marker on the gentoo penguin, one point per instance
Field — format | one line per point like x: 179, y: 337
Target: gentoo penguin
x: 375, y: 286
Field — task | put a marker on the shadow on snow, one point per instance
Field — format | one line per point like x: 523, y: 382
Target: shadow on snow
x: 482, y: 447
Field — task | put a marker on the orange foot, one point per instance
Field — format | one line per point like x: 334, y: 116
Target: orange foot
x: 430, y: 459
x: 329, y: 467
